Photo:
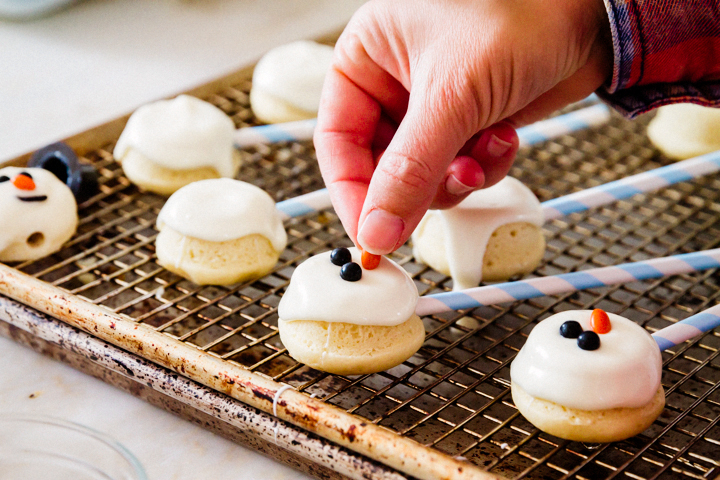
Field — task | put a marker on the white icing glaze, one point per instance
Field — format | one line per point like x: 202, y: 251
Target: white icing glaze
x: 56, y: 217
x: 295, y: 73
x: 385, y: 296
x: 624, y: 372
x: 222, y: 209
x: 181, y: 134
x: 467, y: 227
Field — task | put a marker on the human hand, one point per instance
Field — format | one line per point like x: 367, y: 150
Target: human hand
x: 418, y: 108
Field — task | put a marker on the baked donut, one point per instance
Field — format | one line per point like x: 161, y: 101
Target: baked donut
x: 219, y: 231
x: 588, y: 376
x: 491, y: 235
x: 38, y: 213
x: 171, y: 143
x: 685, y: 130
x: 358, y: 322
x: 288, y: 80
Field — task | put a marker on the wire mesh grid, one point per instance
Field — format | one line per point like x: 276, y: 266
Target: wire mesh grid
x: 453, y: 394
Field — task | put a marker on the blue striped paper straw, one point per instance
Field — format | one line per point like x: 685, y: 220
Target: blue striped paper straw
x: 568, y: 282
x: 563, y: 124
x: 530, y: 135
x: 629, y: 186
x: 303, y: 204
x: 684, y: 330
x: 276, y: 132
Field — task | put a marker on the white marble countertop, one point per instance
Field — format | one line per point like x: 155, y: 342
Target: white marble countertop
x: 91, y: 63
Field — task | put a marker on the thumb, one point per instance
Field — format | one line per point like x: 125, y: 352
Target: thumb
x: 408, y: 174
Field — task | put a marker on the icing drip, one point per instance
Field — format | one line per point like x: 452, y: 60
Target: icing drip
x: 159, y: 293
x: 181, y: 247
x: 624, y: 372
x: 180, y: 134
x: 275, y: 402
x: 385, y: 296
x: 48, y: 208
x: 327, y: 343
x: 223, y: 209
x: 295, y: 73
x: 467, y: 228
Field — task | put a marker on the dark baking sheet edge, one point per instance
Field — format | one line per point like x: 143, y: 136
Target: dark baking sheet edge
x: 189, y: 400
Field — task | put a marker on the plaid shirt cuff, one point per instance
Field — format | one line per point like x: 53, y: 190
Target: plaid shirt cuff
x: 665, y: 51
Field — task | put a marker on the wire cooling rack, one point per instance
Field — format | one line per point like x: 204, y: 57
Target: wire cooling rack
x: 453, y: 395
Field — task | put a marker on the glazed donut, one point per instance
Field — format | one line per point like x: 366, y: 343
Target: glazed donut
x: 219, y: 231
x: 589, y: 376
x: 347, y: 320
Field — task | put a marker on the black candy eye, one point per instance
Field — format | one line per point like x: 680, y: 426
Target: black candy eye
x: 61, y: 160
x: 340, y: 256
x: 351, y: 272
x: 570, y: 329
x: 4, y: 178
x: 589, y: 340
x: 25, y: 174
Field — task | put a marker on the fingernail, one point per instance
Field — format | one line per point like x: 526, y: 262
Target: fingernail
x: 380, y: 232
x: 455, y: 187
x: 497, y: 147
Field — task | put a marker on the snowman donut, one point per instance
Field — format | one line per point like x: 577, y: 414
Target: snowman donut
x: 38, y: 213
x: 341, y: 318
x: 589, y: 376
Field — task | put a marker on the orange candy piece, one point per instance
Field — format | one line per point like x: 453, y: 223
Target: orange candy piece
x: 599, y: 321
x: 23, y: 182
x: 369, y: 261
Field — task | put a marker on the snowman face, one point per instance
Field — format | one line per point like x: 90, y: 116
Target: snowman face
x: 25, y: 186
x: 37, y: 213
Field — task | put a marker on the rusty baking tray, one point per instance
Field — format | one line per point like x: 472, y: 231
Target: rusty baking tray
x: 444, y: 413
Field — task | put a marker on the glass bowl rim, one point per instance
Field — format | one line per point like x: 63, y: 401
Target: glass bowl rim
x: 82, y: 429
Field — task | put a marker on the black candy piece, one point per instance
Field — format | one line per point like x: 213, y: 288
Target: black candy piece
x: 570, y: 329
x: 61, y: 160
x: 589, y: 340
x: 58, y: 158
x: 84, y: 182
x: 340, y: 256
x: 351, y: 272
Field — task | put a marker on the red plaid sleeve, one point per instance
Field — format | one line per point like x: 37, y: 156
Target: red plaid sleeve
x: 665, y: 51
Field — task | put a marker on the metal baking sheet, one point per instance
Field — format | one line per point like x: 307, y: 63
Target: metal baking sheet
x: 453, y: 395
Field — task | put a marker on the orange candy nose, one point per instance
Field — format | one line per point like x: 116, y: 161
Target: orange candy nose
x: 24, y: 182
x: 600, y: 321
x: 369, y: 260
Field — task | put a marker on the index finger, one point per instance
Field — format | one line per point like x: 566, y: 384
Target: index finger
x: 347, y: 120
x: 358, y: 92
